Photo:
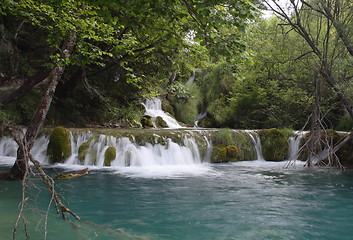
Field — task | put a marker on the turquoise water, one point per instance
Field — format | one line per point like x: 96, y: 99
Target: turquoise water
x: 249, y: 200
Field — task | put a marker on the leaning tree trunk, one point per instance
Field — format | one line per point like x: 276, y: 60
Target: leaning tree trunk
x: 313, y: 144
x: 18, y: 169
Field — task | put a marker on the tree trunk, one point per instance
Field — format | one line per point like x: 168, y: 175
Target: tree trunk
x: 25, y: 87
x: 17, y: 170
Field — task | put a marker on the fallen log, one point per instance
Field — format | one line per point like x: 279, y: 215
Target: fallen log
x: 63, y: 176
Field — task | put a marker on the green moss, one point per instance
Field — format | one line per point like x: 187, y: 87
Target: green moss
x: 246, y: 150
x: 232, y: 152
x: 109, y: 156
x: 146, y: 122
x: 224, y: 136
x: 274, y: 144
x: 167, y: 107
x: 160, y: 123
x: 59, y: 147
x: 221, y: 154
x: 82, y: 151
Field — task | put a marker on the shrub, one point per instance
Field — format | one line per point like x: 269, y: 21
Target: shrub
x: 274, y: 144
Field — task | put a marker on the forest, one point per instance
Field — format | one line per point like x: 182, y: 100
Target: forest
x: 250, y: 71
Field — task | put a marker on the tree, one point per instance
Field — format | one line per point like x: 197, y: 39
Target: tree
x: 320, y: 38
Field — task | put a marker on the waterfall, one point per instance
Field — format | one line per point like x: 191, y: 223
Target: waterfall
x: 154, y: 109
x: 130, y: 154
x: 255, y: 138
x: 208, y: 154
x: 8, y: 148
x: 294, y: 145
x: 191, y: 79
x: 150, y: 149
x: 199, y: 117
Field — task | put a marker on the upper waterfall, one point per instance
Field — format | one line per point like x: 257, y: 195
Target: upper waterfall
x: 154, y: 109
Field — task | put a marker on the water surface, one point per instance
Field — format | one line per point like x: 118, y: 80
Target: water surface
x: 245, y: 200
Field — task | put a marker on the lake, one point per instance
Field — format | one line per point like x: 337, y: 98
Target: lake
x: 243, y: 200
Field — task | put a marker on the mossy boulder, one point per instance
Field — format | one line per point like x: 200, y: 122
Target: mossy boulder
x: 59, y: 147
x: 274, y: 143
x: 109, y: 155
x: 160, y: 123
x: 221, y: 154
x: 167, y: 107
x: 207, y: 122
x: 82, y: 151
x: 146, y: 122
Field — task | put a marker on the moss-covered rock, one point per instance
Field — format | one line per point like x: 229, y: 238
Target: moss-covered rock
x: 59, y: 147
x: 207, y: 122
x: 109, y: 155
x: 232, y: 152
x: 221, y: 154
x: 82, y: 151
x: 167, y: 107
x: 274, y: 143
x: 160, y: 123
x: 146, y: 121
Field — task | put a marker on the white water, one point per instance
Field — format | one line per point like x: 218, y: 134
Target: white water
x: 191, y: 79
x: 169, y: 157
x: 255, y: 138
x: 154, y: 109
x: 294, y: 145
x: 8, y: 149
x: 199, y: 117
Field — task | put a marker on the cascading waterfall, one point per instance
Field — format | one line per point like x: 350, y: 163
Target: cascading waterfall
x: 156, y: 150
x: 8, y: 148
x: 154, y: 109
x: 130, y: 154
x: 199, y: 117
x: 255, y: 138
x: 294, y: 145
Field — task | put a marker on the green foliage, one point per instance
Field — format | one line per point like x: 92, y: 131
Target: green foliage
x: 109, y: 156
x: 345, y: 124
x: 224, y: 136
x: 186, y: 103
x: 125, y: 49
x: 21, y: 111
x: 245, y: 145
x: 274, y: 144
x: 179, y: 91
x: 59, y: 147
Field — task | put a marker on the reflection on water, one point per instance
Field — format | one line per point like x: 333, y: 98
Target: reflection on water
x: 245, y: 200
